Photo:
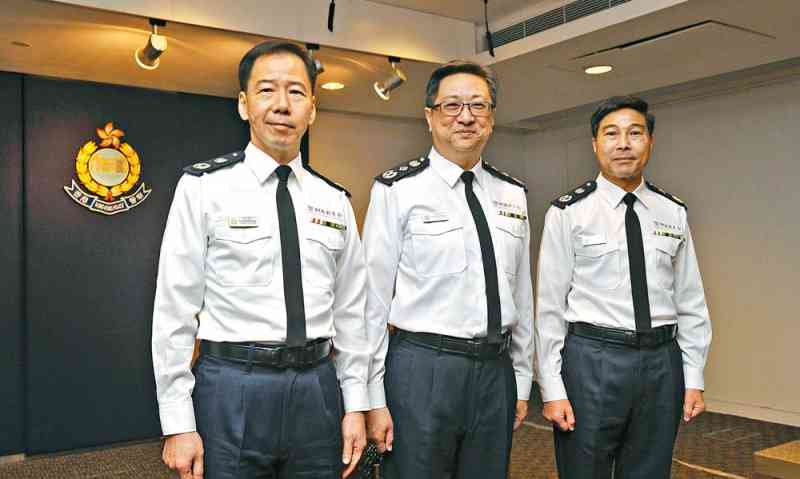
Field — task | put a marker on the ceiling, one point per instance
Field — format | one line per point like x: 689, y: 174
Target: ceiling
x: 95, y: 45
x: 468, y: 10
x: 81, y: 43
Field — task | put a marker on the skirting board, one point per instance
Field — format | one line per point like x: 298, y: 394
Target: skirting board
x: 761, y: 413
x: 11, y: 459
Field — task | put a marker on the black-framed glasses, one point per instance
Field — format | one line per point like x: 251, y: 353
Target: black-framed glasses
x: 454, y: 108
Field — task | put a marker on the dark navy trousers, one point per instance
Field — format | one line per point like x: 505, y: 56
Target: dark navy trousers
x: 628, y: 404
x: 265, y: 422
x: 453, y: 415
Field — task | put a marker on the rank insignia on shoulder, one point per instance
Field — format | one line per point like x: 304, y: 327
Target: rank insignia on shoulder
x: 575, y: 195
x: 199, y: 169
x: 403, y: 170
x: 504, y: 176
x: 657, y: 189
x: 327, y: 180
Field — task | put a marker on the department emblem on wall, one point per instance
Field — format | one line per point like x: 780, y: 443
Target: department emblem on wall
x: 107, y: 174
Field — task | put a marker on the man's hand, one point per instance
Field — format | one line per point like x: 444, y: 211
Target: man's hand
x: 380, y: 428
x: 184, y: 453
x: 560, y: 412
x: 522, y: 413
x: 693, y: 404
x: 355, y: 440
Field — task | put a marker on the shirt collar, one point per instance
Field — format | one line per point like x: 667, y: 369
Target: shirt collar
x: 263, y: 166
x: 613, y: 194
x: 451, y: 172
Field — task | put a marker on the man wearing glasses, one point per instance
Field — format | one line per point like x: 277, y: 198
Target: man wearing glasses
x: 446, y: 241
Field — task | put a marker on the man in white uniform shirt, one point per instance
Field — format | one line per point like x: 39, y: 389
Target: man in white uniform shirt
x: 446, y: 240
x: 262, y: 262
x: 622, y: 326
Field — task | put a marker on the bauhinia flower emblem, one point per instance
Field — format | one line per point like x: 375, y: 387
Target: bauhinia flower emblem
x: 107, y: 171
x: 110, y: 135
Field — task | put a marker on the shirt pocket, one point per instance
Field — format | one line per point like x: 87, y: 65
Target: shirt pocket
x: 597, y: 262
x: 323, y: 245
x: 242, y: 256
x: 511, y: 241
x: 437, y: 247
x: 664, y: 251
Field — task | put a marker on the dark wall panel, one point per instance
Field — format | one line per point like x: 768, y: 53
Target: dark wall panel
x: 11, y: 344
x: 91, y: 278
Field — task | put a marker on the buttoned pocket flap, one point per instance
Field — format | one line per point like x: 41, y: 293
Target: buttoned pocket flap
x: 594, y: 246
x: 243, y: 235
x: 333, y: 239
x: 515, y: 228
x: 434, y: 228
x: 667, y: 245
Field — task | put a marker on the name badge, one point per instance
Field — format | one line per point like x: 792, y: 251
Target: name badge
x: 243, y: 221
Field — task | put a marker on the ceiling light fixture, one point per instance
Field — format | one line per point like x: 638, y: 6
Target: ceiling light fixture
x: 318, y: 66
x: 384, y: 88
x: 598, y: 69
x: 333, y: 85
x: 147, y: 56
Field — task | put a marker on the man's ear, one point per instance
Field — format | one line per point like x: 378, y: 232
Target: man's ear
x: 428, y: 116
x: 242, y: 106
x: 313, y: 115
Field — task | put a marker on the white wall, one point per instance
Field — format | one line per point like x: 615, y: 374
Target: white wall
x: 731, y: 156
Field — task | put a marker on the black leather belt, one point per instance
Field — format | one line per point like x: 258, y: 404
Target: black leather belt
x: 478, y: 348
x: 637, y: 339
x: 269, y: 355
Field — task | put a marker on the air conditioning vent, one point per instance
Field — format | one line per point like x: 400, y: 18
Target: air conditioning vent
x: 553, y: 18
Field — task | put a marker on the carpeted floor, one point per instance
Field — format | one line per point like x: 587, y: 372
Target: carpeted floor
x: 712, y: 446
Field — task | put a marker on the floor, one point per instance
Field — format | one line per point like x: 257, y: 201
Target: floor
x: 710, y: 447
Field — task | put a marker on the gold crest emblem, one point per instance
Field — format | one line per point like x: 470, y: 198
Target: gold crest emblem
x: 108, y: 173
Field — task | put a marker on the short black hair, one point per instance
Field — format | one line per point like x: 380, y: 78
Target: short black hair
x: 272, y: 48
x: 615, y: 103
x: 459, y: 66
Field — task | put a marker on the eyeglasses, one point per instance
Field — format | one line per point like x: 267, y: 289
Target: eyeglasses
x: 454, y: 108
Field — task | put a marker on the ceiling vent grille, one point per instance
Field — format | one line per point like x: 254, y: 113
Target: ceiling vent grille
x: 553, y: 18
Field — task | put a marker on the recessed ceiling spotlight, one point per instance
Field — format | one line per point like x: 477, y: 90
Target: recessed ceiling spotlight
x: 333, y: 85
x: 21, y: 44
x: 598, y: 69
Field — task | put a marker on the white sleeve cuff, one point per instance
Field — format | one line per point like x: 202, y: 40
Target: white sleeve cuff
x: 693, y: 377
x: 177, y: 418
x: 552, y: 388
x: 355, y: 397
x: 524, y: 385
x: 377, y: 396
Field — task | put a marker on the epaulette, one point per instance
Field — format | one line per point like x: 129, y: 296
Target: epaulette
x: 504, y: 176
x: 575, y: 195
x: 403, y: 170
x: 224, y: 161
x: 655, y: 188
x: 329, y: 181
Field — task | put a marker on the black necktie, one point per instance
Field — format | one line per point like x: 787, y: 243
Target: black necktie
x: 493, y: 333
x: 290, y: 258
x: 633, y: 232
